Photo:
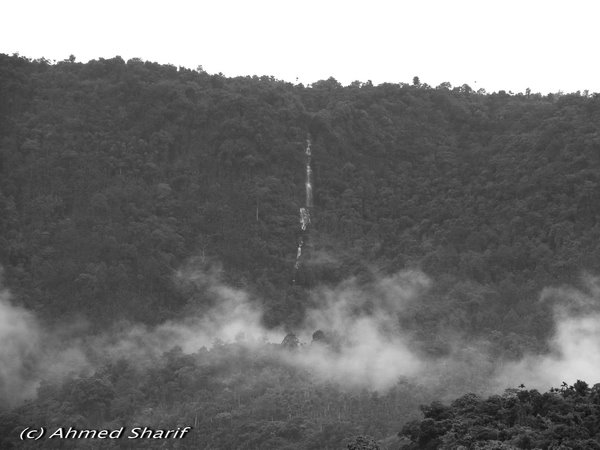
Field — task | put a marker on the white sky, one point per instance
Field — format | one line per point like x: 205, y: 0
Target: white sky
x: 545, y: 45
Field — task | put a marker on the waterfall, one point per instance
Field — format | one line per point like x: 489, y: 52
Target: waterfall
x: 309, y: 201
x: 305, y: 211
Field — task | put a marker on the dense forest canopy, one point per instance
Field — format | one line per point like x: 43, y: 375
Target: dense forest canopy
x: 565, y: 417
x: 119, y: 180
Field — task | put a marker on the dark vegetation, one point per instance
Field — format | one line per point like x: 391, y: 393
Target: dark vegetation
x: 567, y: 418
x: 113, y: 174
x: 234, y: 399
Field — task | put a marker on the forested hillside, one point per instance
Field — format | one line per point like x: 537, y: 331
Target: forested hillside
x: 565, y: 417
x: 116, y: 177
x: 113, y: 173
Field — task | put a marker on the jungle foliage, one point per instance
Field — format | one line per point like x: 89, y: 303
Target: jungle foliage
x: 114, y: 174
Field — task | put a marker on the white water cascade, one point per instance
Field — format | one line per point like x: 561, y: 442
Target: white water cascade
x: 305, y: 211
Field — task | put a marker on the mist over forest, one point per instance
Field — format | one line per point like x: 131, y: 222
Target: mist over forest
x: 447, y: 293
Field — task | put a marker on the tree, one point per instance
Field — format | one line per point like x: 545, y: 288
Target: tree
x: 290, y: 342
x: 362, y: 443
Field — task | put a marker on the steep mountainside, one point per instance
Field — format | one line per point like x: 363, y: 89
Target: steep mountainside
x: 113, y: 174
x: 136, y: 198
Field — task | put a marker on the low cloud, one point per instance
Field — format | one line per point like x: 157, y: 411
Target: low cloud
x: 575, y: 344
x: 352, y: 337
x: 362, y: 344
x: 19, y: 342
